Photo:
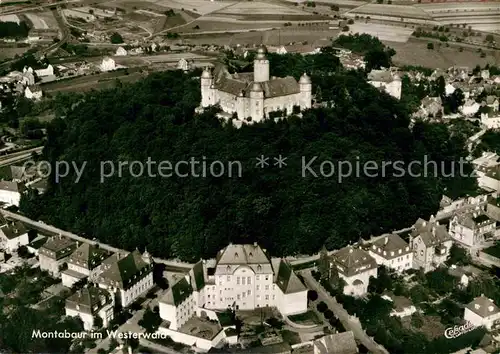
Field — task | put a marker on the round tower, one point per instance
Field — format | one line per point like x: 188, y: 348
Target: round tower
x: 256, y: 102
x: 261, y: 65
x: 305, y: 85
x: 206, y: 80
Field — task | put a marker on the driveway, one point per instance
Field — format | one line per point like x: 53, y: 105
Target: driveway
x: 343, y: 315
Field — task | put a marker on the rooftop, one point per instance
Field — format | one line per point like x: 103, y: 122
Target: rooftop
x: 483, y: 306
x: 58, y: 243
x: 89, y: 299
x: 390, y: 246
x: 352, y: 260
x: 88, y: 256
x: 121, y: 272
x: 339, y: 343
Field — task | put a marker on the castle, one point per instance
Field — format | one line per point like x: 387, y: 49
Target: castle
x: 252, y: 96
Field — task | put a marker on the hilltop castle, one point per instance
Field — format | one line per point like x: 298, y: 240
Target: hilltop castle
x: 254, y: 95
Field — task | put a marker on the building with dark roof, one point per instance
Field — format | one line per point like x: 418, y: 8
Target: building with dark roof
x: 127, y: 276
x: 254, y: 94
x: 338, y: 343
x: 355, y: 266
x: 391, y: 251
x: 10, y: 192
x: 83, y: 263
x: 482, y: 311
x: 473, y: 228
x: 431, y: 244
x: 88, y: 303
x: 54, y: 253
x: 12, y: 235
x: 241, y: 277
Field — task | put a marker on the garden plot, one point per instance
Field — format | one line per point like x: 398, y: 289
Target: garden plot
x: 37, y: 21
x: 383, y: 32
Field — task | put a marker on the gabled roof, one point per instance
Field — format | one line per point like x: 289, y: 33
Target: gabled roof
x: 58, y: 243
x: 123, y: 271
x: 198, y: 276
x: 431, y: 232
x: 242, y: 254
x: 390, y: 246
x: 179, y: 292
x: 12, y: 186
x: 88, y: 256
x: 352, y: 260
x: 483, y: 306
x: 287, y: 280
x: 13, y: 229
x: 87, y: 298
x: 339, y: 343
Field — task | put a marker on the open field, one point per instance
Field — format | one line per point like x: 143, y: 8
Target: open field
x: 340, y: 3
x: 36, y: 21
x: 261, y: 8
x: 383, y: 32
x: 198, y: 6
x: 10, y: 18
x: 48, y: 18
x: 415, y: 52
x: 8, y: 53
x: 396, y: 11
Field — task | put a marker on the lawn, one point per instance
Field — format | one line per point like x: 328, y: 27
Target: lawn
x: 290, y: 337
x: 493, y: 250
x: 307, y: 318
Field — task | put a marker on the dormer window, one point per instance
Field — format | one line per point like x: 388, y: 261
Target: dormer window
x: 259, y: 268
x: 236, y: 255
x: 228, y: 268
x: 477, y: 307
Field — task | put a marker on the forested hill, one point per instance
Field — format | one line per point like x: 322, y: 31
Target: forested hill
x: 195, y: 217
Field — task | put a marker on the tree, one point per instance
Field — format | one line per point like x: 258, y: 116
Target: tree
x: 458, y: 256
x: 23, y: 252
x: 335, y: 8
x: 312, y: 295
x: 321, y: 307
x: 328, y: 314
x: 324, y: 264
x: 345, y: 28
x: 116, y: 38
x: 150, y: 321
x: 489, y: 38
x: 377, y: 59
x: 430, y: 45
x: 416, y: 320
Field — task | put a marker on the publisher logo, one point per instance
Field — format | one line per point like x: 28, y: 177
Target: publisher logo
x: 457, y: 331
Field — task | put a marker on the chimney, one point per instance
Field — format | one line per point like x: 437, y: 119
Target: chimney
x: 255, y: 244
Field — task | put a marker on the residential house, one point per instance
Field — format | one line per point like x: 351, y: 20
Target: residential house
x: 402, y: 306
x: 482, y: 311
x: 35, y: 244
x: 12, y: 235
x: 391, y: 251
x: 490, y: 181
x: 33, y: 92
x: 490, y: 121
x: 107, y: 64
x: 492, y: 102
x: 485, y: 74
x: 355, y: 266
x: 10, y: 192
x: 485, y: 162
x: 120, y: 52
x: 449, y: 89
x: 83, y: 263
x: 54, y: 253
x: 470, y: 107
x: 472, y: 229
x: 126, y: 276
x: 431, y: 244
x: 431, y: 107
x: 185, y: 64
x: 303, y: 49
x: 387, y: 81
x: 338, y: 343
x: 19, y: 174
x: 89, y: 303
x: 48, y: 71
x: 460, y: 274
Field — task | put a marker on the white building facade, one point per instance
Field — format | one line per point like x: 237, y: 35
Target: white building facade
x: 471, y: 229
x: 482, y: 311
x: 392, y: 252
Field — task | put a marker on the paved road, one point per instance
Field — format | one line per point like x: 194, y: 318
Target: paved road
x: 18, y: 156
x: 343, y: 316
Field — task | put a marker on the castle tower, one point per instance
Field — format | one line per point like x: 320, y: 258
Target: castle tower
x: 256, y: 102
x: 305, y: 91
x: 206, y: 81
x: 261, y: 65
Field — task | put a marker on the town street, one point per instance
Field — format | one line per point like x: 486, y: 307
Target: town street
x: 343, y: 316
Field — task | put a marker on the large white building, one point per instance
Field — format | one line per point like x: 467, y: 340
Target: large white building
x: 392, y: 251
x: 126, y: 276
x: 386, y: 81
x: 483, y: 312
x: 13, y: 235
x: 252, y: 96
x: 472, y: 229
x: 242, y: 277
x: 431, y: 244
x: 355, y: 266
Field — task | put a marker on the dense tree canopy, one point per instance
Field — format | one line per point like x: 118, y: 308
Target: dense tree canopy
x: 284, y: 211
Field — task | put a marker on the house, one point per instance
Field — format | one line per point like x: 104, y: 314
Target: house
x: 302, y: 49
x: 12, y: 235
x: 252, y: 96
x: 449, y: 89
x: 492, y: 102
x: 485, y: 74
x: 184, y: 64
x: 355, y: 266
x: 483, y: 312
x: 89, y: 303
x: 126, y: 276
x: 48, y: 71
x: 431, y: 244
x: 391, y: 251
x: 490, y: 181
x: 120, y: 52
x: 107, y: 64
x: 35, y: 244
x: 242, y: 277
x: 19, y: 174
x: 470, y: 107
x: 10, y: 192
x: 431, y: 107
x: 485, y: 162
x: 338, y: 343
x: 402, y: 306
x: 387, y: 81
x: 54, y: 253
x: 472, y: 229
x: 83, y: 263
x: 33, y: 92
x: 461, y: 274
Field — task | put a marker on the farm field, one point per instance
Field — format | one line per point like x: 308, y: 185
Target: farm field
x: 415, y: 52
x: 383, y: 32
x: 48, y: 18
x: 392, y: 11
x: 201, y: 7
x: 8, y: 53
x: 36, y: 21
x: 340, y: 3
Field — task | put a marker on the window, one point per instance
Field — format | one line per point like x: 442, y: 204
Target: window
x: 267, y: 287
x: 249, y: 280
x: 267, y: 277
x: 238, y: 297
x: 243, y: 295
x: 208, y: 296
x: 258, y: 287
x: 238, y: 281
x: 267, y: 297
x: 249, y: 292
x: 274, y: 297
x: 228, y: 278
x: 257, y: 277
x: 242, y: 280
